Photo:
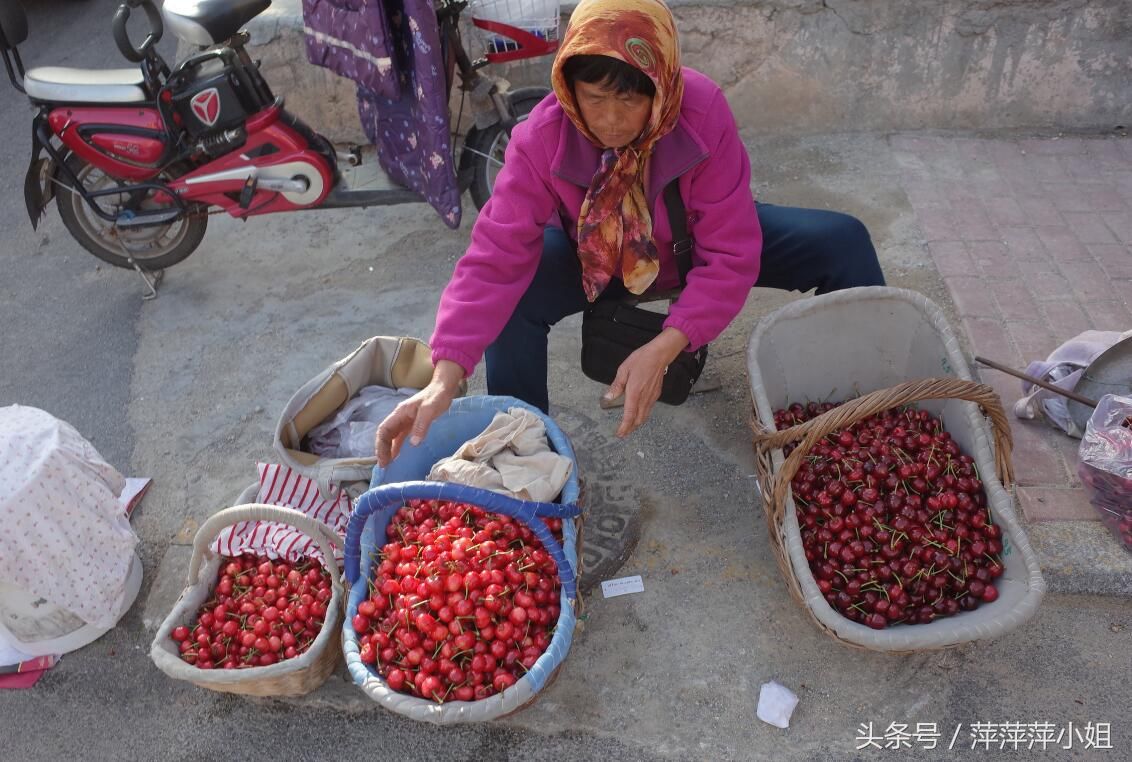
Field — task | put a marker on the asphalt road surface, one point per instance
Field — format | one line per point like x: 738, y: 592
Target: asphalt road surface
x: 69, y: 334
x: 68, y: 341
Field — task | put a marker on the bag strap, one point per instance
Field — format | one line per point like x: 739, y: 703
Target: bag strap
x: 678, y: 221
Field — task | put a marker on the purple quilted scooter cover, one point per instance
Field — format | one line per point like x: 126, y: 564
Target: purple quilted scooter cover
x: 412, y: 133
x: 392, y: 51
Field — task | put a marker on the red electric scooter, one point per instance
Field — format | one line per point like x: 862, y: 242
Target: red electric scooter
x: 137, y: 159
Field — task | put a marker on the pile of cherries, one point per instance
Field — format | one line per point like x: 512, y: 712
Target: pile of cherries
x: 261, y: 612
x: 894, y: 519
x: 462, y: 603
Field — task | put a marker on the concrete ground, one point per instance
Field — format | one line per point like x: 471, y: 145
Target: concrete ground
x: 670, y: 673
x: 186, y: 390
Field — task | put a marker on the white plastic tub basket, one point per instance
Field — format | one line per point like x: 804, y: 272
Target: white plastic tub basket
x: 893, y: 347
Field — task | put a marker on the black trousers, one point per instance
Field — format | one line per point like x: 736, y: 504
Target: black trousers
x: 803, y: 249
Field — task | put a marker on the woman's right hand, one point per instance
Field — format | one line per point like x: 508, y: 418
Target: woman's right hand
x: 413, y: 416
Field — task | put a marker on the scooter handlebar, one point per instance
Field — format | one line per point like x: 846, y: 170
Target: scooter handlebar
x: 122, y: 37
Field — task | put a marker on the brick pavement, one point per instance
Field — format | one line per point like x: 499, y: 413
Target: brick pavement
x: 1034, y: 240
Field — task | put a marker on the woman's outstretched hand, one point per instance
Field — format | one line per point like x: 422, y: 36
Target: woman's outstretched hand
x: 412, y: 417
x: 641, y: 377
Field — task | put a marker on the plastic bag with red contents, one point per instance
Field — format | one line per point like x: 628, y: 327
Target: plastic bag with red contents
x: 1105, y: 464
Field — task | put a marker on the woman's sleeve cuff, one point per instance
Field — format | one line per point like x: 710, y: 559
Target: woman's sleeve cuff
x: 463, y: 359
x: 695, y: 336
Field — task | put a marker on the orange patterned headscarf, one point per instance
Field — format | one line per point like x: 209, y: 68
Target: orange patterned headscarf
x: 615, y: 225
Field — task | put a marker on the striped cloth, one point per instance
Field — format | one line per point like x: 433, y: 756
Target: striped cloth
x: 279, y: 485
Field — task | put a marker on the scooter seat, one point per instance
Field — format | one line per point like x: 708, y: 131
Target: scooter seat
x: 209, y: 22
x: 59, y: 84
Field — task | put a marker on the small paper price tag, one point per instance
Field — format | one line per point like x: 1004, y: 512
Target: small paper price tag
x: 611, y: 588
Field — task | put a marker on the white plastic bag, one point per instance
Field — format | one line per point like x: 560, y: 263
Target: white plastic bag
x: 776, y: 704
x: 1105, y: 464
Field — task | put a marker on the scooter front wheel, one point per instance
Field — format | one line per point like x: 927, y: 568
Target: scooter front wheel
x: 484, y: 149
x: 153, y: 247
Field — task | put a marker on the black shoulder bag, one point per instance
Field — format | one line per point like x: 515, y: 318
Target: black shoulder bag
x: 613, y: 329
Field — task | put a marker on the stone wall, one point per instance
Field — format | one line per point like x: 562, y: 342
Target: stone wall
x: 832, y: 65
x: 815, y: 66
x: 318, y: 96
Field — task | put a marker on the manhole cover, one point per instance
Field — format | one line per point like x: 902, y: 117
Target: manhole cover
x: 612, y: 505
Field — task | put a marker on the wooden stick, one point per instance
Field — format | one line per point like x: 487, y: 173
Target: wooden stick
x: 1037, y: 382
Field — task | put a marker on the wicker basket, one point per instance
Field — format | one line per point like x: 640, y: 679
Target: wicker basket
x: 799, y: 353
x: 291, y: 677
x: 393, y: 487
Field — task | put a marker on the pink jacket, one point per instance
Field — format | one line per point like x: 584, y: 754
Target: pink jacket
x: 548, y: 167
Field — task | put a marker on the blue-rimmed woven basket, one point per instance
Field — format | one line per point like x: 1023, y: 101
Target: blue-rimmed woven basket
x: 400, y: 482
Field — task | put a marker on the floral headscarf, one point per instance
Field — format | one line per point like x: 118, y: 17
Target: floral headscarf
x: 615, y: 225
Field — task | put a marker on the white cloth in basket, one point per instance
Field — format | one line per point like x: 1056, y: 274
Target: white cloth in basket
x: 279, y: 485
x: 511, y: 456
x: 63, y: 534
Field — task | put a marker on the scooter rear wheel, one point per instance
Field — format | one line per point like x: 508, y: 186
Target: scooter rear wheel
x: 153, y: 247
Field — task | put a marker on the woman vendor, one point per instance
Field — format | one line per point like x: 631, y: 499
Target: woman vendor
x: 577, y: 214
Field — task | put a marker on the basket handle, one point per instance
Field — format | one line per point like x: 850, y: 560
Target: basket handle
x: 390, y: 497
x: 316, y: 530
x: 813, y: 431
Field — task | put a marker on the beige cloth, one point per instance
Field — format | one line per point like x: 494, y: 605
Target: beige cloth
x: 510, y: 456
